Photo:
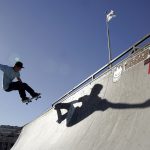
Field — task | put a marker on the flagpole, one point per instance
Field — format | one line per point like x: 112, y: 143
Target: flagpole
x: 109, y: 44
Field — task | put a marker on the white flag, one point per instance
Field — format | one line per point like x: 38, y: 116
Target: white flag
x: 110, y: 15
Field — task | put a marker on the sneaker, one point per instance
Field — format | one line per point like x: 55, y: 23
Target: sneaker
x: 36, y: 95
x: 25, y: 99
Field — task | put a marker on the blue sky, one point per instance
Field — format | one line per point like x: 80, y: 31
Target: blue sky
x: 61, y: 42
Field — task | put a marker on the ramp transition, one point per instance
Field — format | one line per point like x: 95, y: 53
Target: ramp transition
x: 113, y: 114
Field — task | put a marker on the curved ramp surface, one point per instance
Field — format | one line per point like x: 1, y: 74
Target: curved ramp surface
x: 111, y: 113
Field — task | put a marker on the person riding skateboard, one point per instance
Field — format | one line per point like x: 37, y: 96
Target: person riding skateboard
x: 9, y: 74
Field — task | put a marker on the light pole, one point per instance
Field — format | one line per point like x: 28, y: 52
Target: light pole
x: 109, y: 44
x: 109, y: 16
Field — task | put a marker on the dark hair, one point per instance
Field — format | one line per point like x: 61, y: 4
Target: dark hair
x: 19, y: 64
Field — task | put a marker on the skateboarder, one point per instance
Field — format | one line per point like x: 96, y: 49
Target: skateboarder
x: 9, y: 74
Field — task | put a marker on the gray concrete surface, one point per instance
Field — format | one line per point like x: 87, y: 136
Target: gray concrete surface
x: 116, y: 117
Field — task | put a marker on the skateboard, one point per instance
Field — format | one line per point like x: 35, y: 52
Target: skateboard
x: 71, y: 107
x: 32, y: 98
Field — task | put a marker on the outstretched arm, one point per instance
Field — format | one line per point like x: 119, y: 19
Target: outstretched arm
x: 130, y: 106
x: 3, y: 67
x: 19, y: 79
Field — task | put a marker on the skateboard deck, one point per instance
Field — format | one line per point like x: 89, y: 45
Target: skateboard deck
x: 32, y: 98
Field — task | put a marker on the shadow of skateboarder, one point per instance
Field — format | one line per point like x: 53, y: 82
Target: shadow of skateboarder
x: 90, y: 104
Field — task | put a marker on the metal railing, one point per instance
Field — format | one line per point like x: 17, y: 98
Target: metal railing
x: 100, y: 71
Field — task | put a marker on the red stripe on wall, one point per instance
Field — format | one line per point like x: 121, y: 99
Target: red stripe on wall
x: 149, y: 68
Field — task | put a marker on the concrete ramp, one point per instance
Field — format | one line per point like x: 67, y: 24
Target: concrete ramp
x: 112, y: 112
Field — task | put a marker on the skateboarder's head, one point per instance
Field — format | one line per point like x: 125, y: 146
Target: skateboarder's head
x: 96, y: 89
x: 18, y: 66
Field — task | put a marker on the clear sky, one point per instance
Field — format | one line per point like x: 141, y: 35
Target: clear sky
x: 61, y: 42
